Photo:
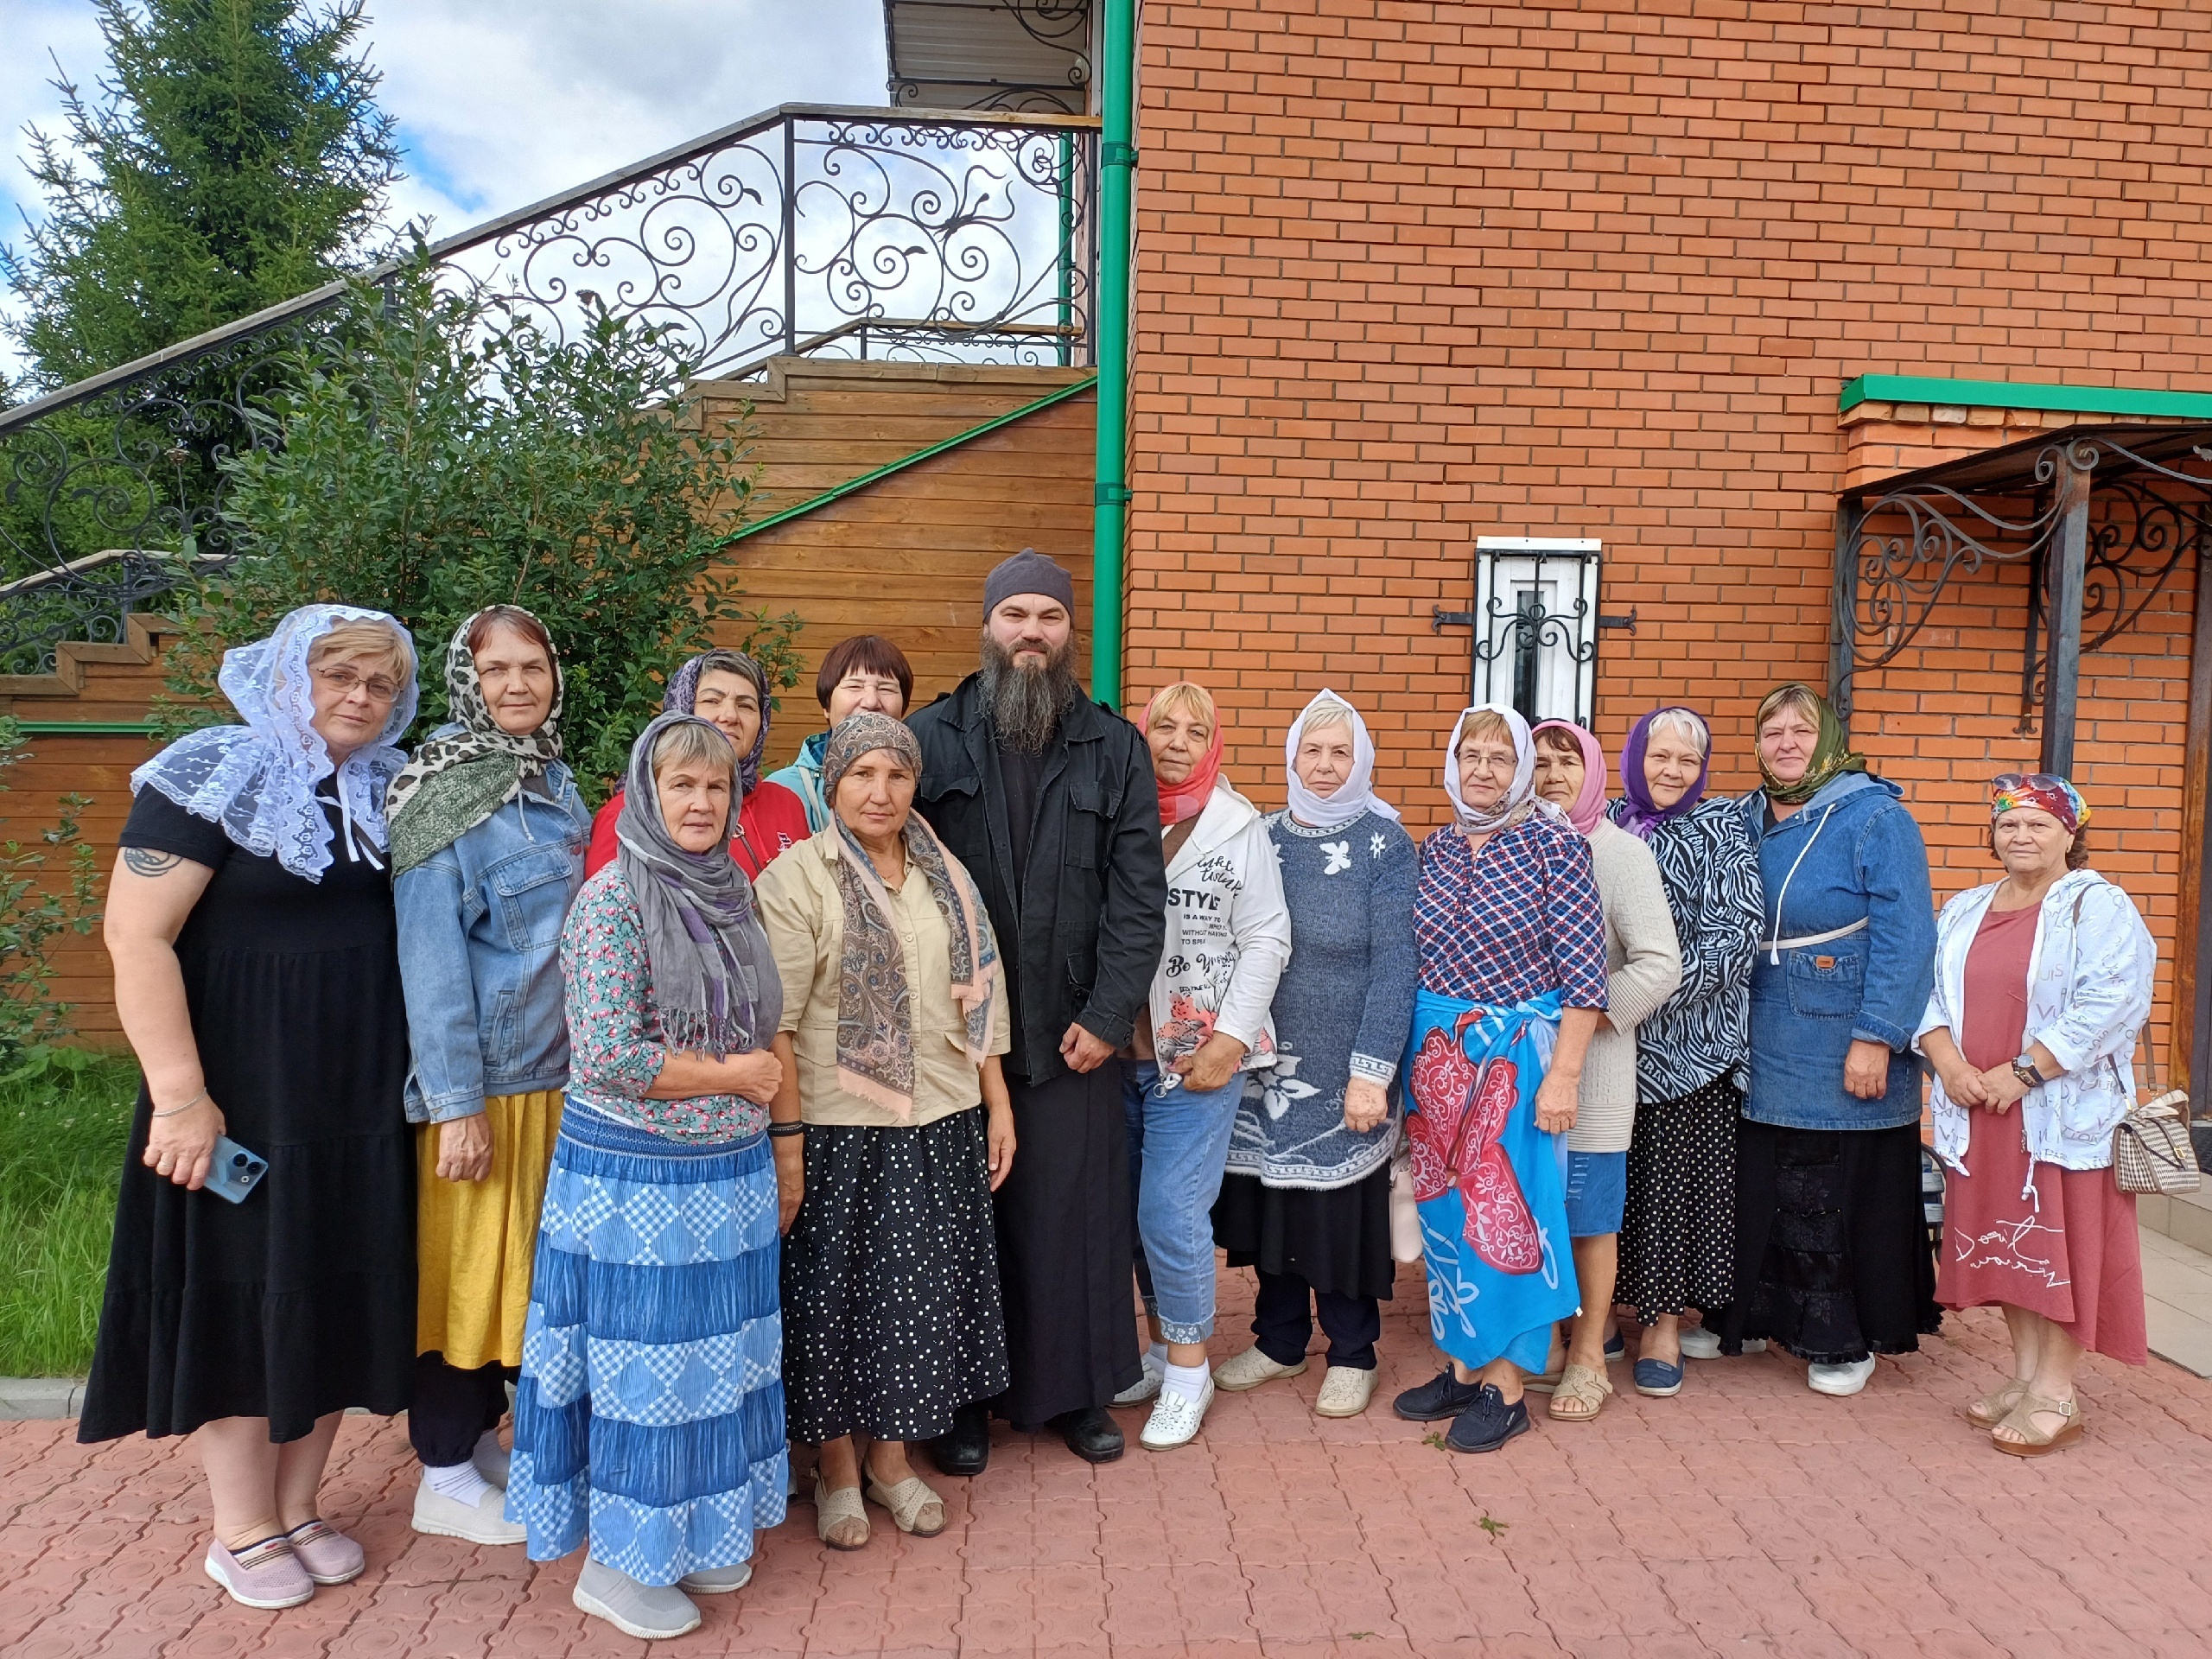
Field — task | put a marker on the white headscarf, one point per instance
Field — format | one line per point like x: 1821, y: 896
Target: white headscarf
x: 258, y: 780
x: 1520, y: 793
x: 1356, y: 794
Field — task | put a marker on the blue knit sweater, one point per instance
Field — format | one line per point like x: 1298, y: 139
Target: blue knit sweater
x: 1343, y: 1006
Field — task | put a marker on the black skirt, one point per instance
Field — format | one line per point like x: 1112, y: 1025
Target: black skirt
x: 892, y: 1314
x: 1336, y: 1241
x: 1678, y: 1233
x: 299, y: 1301
x: 1832, y: 1256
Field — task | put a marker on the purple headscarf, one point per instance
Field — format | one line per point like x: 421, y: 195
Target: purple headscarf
x: 1639, y: 814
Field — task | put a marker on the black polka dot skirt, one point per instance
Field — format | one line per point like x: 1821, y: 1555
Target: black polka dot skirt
x: 1678, y: 1233
x: 892, y: 1314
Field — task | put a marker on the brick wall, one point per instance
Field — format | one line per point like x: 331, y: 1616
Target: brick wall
x: 1411, y: 273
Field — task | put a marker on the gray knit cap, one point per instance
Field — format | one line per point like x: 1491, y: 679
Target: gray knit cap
x: 1028, y: 572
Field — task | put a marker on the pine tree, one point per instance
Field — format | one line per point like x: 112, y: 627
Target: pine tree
x: 234, y: 157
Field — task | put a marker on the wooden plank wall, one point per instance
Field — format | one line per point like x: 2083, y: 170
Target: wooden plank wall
x: 905, y: 557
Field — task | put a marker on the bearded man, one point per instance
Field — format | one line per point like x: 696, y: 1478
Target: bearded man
x: 1048, y: 799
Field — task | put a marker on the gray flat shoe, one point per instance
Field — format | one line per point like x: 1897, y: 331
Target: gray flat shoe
x: 651, y: 1612
x: 717, y: 1581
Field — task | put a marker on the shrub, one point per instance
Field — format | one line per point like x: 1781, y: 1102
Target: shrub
x: 33, y: 916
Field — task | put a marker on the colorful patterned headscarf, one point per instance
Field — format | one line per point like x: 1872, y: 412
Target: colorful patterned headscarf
x: 875, y: 1002
x: 1832, y: 755
x: 2052, y: 793
x: 455, y: 782
x: 682, y: 696
x: 1638, y: 813
x: 1519, y: 794
x: 1588, y: 807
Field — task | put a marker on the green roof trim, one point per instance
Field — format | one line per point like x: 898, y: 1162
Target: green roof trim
x: 1059, y: 394
x: 2009, y: 394
x: 88, y: 727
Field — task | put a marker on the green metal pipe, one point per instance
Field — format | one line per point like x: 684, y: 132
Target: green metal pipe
x: 1117, y: 159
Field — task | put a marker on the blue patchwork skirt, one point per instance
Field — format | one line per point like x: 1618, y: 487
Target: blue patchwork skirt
x: 649, y: 1419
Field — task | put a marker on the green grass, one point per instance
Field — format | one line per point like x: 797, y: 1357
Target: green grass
x: 65, y: 1119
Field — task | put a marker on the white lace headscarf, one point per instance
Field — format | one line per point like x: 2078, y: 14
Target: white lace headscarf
x: 258, y: 780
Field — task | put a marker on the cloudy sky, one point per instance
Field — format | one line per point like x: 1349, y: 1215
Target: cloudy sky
x: 502, y: 102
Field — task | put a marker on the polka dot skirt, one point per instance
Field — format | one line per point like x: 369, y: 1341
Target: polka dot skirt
x: 892, y: 1314
x: 1678, y: 1235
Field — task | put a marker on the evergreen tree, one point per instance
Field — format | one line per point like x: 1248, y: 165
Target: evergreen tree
x: 235, y: 157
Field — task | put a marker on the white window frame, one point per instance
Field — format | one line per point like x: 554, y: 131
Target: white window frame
x: 1509, y: 567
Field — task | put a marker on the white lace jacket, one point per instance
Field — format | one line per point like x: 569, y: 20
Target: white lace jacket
x: 2088, y: 994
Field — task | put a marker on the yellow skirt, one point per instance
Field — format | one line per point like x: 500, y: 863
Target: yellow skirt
x: 475, y: 1240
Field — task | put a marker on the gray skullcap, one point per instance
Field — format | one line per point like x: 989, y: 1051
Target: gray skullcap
x: 1028, y: 572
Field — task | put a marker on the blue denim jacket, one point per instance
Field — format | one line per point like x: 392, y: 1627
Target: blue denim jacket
x: 1851, y: 855
x: 480, y: 954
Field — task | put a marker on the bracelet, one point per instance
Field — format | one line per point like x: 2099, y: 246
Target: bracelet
x: 782, y: 1130
x: 186, y: 1107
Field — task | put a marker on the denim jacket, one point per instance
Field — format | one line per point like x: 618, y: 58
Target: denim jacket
x: 1848, y: 873
x: 480, y: 954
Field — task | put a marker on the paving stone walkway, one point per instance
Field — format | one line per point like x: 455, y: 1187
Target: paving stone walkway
x: 1747, y: 1516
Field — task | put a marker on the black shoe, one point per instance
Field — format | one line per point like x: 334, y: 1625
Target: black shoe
x: 1488, y: 1423
x: 1091, y: 1433
x: 1443, y: 1396
x: 965, y: 1448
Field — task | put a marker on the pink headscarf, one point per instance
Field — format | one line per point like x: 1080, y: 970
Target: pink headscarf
x: 1188, y: 798
x: 1589, y: 807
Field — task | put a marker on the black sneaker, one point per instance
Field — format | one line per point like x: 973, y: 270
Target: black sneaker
x: 1488, y: 1423
x: 1443, y: 1396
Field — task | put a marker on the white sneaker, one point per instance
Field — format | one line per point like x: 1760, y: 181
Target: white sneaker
x: 650, y: 1612
x: 491, y: 1459
x: 1156, y: 1373
x: 716, y: 1581
x: 1840, y: 1381
x: 481, y: 1523
x: 1698, y: 1343
x: 1345, y: 1391
x: 1250, y: 1369
x: 1175, y: 1419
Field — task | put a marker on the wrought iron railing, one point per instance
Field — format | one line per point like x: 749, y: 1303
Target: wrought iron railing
x: 811, y: 229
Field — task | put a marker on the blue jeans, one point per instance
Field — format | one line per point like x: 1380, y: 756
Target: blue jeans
x: 1178, y: 1147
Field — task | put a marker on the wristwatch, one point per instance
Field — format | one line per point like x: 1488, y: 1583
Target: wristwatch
x: 2024, y: 1070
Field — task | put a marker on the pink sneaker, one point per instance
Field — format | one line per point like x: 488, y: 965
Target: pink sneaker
x: 328, y: 1555
x: 266, y: 1574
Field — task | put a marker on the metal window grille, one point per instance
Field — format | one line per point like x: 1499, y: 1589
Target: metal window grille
x: 1534, y: 626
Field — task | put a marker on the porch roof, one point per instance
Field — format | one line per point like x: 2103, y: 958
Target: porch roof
x: 2122, y: 446
x: 1032, y: 56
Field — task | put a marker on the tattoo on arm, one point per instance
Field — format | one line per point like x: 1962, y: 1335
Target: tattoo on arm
x: 145, y: 861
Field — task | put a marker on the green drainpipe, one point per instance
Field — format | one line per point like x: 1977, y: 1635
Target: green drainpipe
x: 1117, y: 158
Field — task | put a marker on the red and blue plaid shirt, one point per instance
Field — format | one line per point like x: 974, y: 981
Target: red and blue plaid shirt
x: 1518, y: 919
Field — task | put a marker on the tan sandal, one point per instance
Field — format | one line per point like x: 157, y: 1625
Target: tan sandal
x: 2034, y: 1442
x: 910, y: 1502
x: 1996, y: 1406
x: 832, y: 1506
x: 1583, y: 1390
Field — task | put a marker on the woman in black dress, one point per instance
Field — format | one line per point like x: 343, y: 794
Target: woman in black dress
x: 257, y: 975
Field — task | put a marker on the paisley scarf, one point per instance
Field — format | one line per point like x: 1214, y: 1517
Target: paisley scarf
x: 876, y: 1011
x: 455, y: 782
x: 714, y: 984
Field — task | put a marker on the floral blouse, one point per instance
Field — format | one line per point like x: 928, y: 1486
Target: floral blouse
x: 613, y: 1031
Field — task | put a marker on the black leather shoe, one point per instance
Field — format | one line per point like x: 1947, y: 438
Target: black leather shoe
x: 1443, y: 1396
x: 1488, y: 1423
x: 1092, y: 1434
x: 965, y: 1448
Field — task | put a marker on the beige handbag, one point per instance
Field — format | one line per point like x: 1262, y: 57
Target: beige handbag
x: 2152, y: 1151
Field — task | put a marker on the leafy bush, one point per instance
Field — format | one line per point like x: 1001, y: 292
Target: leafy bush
x: 65, y: 1121
x: 32, y: 916
x: 454, y: 456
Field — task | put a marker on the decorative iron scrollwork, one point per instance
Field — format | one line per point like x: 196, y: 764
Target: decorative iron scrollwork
x: 855, y: 234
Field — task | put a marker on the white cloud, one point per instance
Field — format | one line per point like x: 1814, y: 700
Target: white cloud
x: 503, y: 102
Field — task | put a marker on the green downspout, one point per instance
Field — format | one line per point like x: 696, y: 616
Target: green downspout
x: 1117, y: 159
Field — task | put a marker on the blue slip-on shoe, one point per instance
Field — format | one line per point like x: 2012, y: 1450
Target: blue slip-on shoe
x: 1658, y: 1379
x: 1488, y: 1423
x: 1616, y: 1349
x: 1443, y: 1396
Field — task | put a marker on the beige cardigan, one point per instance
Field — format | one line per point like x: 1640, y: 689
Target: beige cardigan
x: 1644, y: 964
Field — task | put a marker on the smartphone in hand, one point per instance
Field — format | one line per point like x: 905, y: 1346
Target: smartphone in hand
x: 233, y: 1171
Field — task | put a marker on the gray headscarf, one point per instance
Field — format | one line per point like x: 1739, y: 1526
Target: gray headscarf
x: 713, y: 980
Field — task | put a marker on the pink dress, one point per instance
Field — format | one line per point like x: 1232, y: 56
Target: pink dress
x: 2070, y: 1252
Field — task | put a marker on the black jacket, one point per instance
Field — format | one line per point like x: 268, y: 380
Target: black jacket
x: 1086, y: 944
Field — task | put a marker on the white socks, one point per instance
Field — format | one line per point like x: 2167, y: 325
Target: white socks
x: 1188, y: 1381
x: 458, y: 1481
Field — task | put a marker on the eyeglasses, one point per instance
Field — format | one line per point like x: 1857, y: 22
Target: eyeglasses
x: 346, y: 681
